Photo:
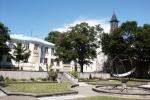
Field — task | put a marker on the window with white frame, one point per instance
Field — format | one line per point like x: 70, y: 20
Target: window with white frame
x: 36, y: 46
x: 46, y: 49
x: 11, y: 44
x: 27, y: 46
x: 45, y: 60
x: 52, y: 51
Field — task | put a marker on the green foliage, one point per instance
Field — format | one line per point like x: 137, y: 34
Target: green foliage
x: 20, y: 53
x: 75, y: 74
x: 32, y: 79
x: 1, y: 78
x: 54, y: 37
x: 4, y: 36
x: 23, y: 79
x: 132, y: 41
x: 52, y: 75
x: 7, y: 79
x: 79, y: 44
x: 90, y: 77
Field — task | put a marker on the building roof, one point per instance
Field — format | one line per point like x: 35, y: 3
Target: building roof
x: 24, y: 38
x: 114, y: 18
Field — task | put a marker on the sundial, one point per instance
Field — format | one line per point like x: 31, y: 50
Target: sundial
x: 121, y: 67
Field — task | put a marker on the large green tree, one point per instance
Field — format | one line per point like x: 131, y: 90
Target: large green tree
x: 4, y: 37
x: 20, y: 53
x: 79, y: 44
x: 130, y: 40
x: 54, y: 37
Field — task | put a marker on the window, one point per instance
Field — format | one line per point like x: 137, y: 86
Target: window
x: 52, y: 51
x: 41, y: 59
x: 45, y: 60
x: 27, y: 46
x: 52, y: 62
x: 46, y: 49
x: 11, y: 45
x: 35, y: 46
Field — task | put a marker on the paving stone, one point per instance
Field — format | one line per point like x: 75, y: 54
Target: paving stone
x: 17, y: 98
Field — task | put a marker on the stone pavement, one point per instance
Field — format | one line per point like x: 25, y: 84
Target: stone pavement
x: 17, y: 98
x: 2, y: 94
x: 67, y: 97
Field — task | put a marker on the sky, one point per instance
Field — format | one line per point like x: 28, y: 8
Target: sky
x: 38, y: 17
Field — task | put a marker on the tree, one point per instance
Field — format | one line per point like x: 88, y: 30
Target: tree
x: 54, y: 37
x: 79, y: 44
x: 132, y: 41
x: 4, y: 37
x: 20, y: 53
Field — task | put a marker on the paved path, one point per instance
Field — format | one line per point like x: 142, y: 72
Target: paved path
x: 17, y: 98
x: 68, y: 97
x: 2, y: 94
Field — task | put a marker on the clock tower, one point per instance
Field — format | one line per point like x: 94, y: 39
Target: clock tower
x: 113, y: 23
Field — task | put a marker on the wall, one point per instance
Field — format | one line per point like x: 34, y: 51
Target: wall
x: 95, y: 74
x: 23, y: 74
x: 37, y: 74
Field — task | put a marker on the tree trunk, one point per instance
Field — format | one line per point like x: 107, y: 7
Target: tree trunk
x: 75, y: 66
x: 18, y: 66
x: 81, y: 65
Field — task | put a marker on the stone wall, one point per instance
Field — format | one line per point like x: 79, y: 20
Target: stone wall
x: 43, y: 74
x: 23, y: 74
x: 94, y: 75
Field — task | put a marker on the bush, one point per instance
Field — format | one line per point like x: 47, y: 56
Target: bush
x: 90, y: 77
x: 44, y: 79
x: 23, y: 79
x: 75, y: 74
x: 7, y: 79
x: 52, y: 75
x: 13, y: 79
x: 1, y: 78
x: 32, y: 79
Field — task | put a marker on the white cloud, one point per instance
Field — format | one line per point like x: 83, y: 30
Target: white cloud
x: 103, y: 22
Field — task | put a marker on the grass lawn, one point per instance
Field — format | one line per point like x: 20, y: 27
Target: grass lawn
x: 39, y: 87
x: 103, y: 98
x: 100, y: 82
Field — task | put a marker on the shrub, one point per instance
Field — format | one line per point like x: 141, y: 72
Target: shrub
x: 90, y: 77
x: 7, y: 79
x: 44, y: 79
x: 32, y: 79
x: 75, y: 74
x: 13, y: 79
x: 1, y: 78
x: 23, y: 79
x: 52, y: 75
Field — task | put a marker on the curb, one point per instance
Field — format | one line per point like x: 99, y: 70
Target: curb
x: 9, y: 93
x: 123, y: 93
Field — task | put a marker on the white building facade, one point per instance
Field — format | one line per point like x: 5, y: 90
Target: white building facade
x: 41, y: 54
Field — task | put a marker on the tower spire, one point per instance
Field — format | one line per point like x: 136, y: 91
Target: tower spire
x: 113, y: 22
